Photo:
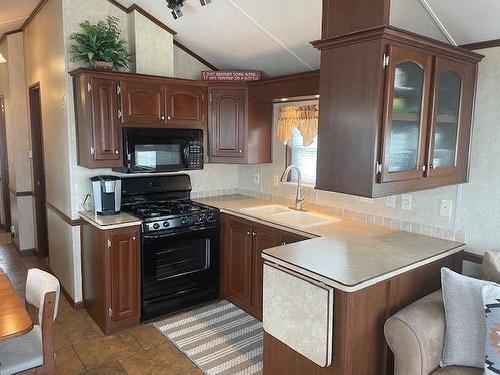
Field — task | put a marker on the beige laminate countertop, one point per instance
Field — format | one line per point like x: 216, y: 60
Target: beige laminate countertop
x: 347, y: 255
x: 122, y: 220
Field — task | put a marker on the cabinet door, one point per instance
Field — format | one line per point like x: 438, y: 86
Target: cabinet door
x: 186, y: 105
x: 106, y: 129
x: 124, y: 274
x: 227, y: 125
x: 238, y: 262
x: 406, y: 114
x: 143, y: 102
x: 451, y: 118
x: 263, y: 238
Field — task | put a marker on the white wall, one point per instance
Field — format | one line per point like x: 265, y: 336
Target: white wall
x: 480, y: 201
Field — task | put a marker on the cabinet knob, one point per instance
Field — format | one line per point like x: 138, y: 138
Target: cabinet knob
x: 421, y: 168
x: 248, y: 233
x: 169, y: 118
x: 254, y: 234
x: 240, y: 151
x: 432, y: 166
x: 283, y: 243
x: 133, y: 238
x: 116, y: 152
x: 162, y: 117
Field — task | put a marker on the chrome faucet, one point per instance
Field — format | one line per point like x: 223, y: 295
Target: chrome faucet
x: 299, y: 199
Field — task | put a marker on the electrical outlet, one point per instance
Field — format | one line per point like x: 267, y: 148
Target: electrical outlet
x: 276, y: 181
x: 390, y: 201
x: 446, y: 207
x: 406, y: 202
x: 256, y: 178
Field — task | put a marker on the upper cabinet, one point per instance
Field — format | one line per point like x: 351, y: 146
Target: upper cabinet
x: 228, y: 123
x: 143, y: 101
x: 105, y: 102
x: 186, y: 104
x: 396, y: 113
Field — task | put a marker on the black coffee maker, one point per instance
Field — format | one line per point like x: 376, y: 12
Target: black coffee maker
x: 107, y: 194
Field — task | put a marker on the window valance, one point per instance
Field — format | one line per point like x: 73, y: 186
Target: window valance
x: 304, y: 118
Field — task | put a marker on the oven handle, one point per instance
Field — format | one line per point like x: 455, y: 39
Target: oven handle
x: 150, y: 236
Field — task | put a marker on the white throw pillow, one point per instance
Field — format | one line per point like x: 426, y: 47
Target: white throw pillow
x: 491, y: 301
x: 465, y: 320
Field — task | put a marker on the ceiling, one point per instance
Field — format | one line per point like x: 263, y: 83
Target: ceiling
x: 14, y: 12
x: 274, y: 35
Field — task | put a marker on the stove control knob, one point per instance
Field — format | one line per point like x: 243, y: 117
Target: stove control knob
x: 156, y: 226
x: 201, y: 218
x: 210, y: 217
x: 184, y: 220
x: 146, y: 226
x: 166, y: 224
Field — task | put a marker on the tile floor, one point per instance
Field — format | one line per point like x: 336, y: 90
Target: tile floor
x: 81, y: 347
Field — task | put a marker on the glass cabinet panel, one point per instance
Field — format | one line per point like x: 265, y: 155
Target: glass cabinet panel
x: 447, y: 120
x: 406, y: 117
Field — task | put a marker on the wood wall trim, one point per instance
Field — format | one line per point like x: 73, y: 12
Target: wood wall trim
x: 21, y: 193
x: 481, y: 45
x: 474, y: 258
x: 197, y: 57
x: 309, y: 74
x: 26, y: 22
x: 62, y: 215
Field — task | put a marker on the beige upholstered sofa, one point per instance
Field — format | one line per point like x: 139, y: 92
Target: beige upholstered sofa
x: 416, y: 337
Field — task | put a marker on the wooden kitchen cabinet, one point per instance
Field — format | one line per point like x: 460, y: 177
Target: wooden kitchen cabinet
x: 97, y: 122
x: 411, y: 127
x: 242, y: 275
x: 105, y: 102
x: 228, y: 110
x: 143, y: 101
x: 186, y: 105
x: 239, y: 128
x: 111, y: 276
x: 238, y: 261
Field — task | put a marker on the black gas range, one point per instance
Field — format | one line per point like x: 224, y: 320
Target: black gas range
x: 180, y: 244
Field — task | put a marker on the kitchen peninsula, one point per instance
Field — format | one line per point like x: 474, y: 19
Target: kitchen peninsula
x: 371, y: 271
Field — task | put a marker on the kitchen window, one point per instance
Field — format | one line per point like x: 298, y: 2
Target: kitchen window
x: 304, y: 157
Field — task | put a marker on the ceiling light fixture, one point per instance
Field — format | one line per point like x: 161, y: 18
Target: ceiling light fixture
x: 2, y: 59
x: 205, y: 2
x: 176, y: 6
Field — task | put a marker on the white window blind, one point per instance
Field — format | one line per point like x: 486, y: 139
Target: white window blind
x: 305, y: 157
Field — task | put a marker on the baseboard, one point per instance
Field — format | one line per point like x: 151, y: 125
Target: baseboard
x: 23, y: 253
x: 75, y: 305
x: 474, y: 258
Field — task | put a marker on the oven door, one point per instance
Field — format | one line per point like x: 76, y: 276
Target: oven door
x: 161, y: 150
x: 179, y: 269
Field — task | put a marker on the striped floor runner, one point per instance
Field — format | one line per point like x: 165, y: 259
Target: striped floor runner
x: 219, y: 338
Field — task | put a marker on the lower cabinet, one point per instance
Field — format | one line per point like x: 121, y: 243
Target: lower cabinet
x: 242, y: 275
x: 111, y: 276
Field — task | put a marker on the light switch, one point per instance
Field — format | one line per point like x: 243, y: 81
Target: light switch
x: 390, y: 201
x: 406, y: 202
x: 446, y: 207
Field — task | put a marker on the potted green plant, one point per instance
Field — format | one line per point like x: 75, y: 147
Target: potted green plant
x: 100, y: 45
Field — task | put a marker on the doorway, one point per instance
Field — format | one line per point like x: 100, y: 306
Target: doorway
x: 42, y: 245
x: 4, y: 167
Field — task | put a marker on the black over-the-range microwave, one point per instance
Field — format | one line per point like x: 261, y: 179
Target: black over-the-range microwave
x: 149, y: 150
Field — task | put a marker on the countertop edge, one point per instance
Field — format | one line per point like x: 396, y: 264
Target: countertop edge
x: 87, y: 219
x: 365, y: 283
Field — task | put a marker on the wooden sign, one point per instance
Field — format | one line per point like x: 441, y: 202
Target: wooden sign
x: 231, y: 76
